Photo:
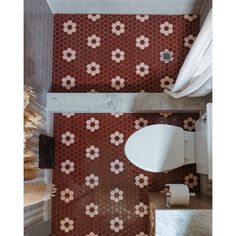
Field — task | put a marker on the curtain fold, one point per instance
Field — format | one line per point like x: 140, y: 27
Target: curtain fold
x: 195, y: 76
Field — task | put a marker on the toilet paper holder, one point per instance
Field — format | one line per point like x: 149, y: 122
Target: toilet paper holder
x: 168, y: 195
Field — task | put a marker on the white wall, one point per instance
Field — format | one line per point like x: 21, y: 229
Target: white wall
x: 38, y: 46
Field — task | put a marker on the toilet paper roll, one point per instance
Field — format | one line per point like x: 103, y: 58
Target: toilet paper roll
x: 179, y: 194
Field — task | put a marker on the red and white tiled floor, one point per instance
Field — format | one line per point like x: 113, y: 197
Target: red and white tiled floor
x: 99, y: 192
x: 119, y: 53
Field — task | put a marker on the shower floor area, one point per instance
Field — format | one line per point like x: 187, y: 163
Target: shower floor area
x: 120, y: 53
x: 99, y: 192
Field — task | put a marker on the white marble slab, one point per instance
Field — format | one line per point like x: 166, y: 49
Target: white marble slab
x: 183, y: 222
x: 120, y: 102
x: 159, y: 7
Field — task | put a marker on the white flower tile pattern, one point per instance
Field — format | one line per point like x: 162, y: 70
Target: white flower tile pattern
x: 67, y: 166
x: 142, y: 69
x: 118, y: 28
x: 92, y: 181
x: 91, y: 234
x: 166, y: 81
x: 141, y: 234
x: 92, y: 91
x: 140, y: 123
x: 190, y: 17
x: 142, y: 42
x: 117, y: 115
x: 67, y: 195
x: 67, y: 138
x: 67, y: 225
x: 191, y: 180
x: 166, y: 28
x: 92, y: 124
x: 106, y: 46
x: 69, y: 27
x: 68, y: 82
x: 141, y: 209
x: 188, y: 41
x: 117, y: 167
x: 116, y: 195
x: 117, y: 55
x: 93, y: 68
x: 69, y: 54
x: 165, y: 114
x: 93, y: 41
x: 92, y: 152
x: 91, y: 210
x: 142, y: 18
x: 117, y: 138
x: 68, y: 115
x: 116, y: 224
x: 141, y: 180
x: 189, y: 124
x: 94, y: 17
x: 117, y: 83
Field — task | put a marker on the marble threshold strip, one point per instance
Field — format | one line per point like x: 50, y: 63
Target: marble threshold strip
x: 121, y: 102
x: 159, y: 7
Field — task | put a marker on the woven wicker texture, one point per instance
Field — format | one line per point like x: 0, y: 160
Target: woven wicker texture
x: 31, y: 122
x: 33, y: 192
x: 37, y: 192
x: 30, y: 174
x: 28, y: 95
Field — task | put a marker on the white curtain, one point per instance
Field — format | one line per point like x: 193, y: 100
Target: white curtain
x: 195, y: 76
